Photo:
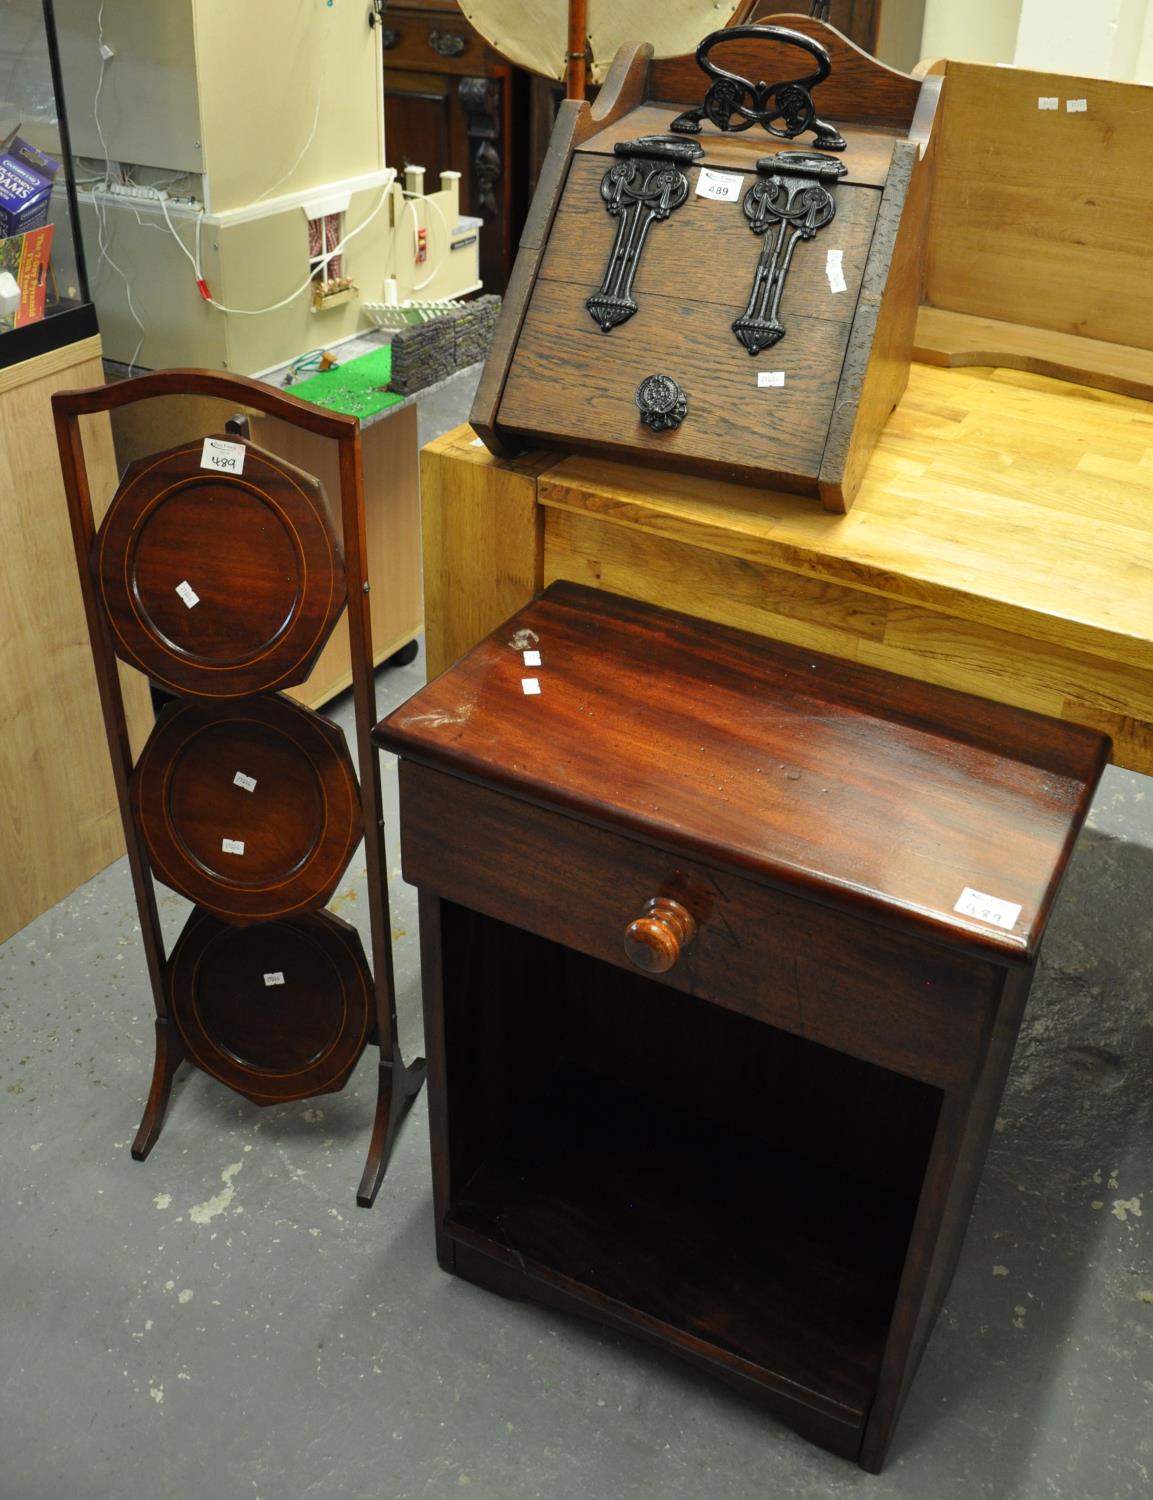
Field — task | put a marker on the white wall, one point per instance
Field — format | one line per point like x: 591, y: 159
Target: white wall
x: 973, y: 30
x: 899, y: 37
x: 1107, y: 39
x: 1145, y: 54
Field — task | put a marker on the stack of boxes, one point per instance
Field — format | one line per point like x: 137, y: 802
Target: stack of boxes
x: 26, y: 178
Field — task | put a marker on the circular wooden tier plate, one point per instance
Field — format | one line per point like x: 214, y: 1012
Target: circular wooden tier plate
x: 219, y: 584
x: 250, y: 809
x: 278, y: 1011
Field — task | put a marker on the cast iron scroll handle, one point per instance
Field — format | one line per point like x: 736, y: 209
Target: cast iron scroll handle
x: 733, y: 103
x: 655, y: 940
x: 646, y: 185
x: 790, y: 201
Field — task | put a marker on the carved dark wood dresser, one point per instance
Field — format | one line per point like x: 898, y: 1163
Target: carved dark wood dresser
x: 451, y: 102
x: 725, y: 949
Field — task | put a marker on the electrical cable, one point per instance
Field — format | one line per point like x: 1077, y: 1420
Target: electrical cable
x: 267, y: 193
x: 313, y: 359
x: 254, y: 312
x: 433, y: 204
x: 193, y: 260
x: 99, y: 206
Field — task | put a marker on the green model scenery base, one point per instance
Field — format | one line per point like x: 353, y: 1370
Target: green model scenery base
x: 354, y: 388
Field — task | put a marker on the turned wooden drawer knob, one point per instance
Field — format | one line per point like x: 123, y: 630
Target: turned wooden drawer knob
x: 654, y: 941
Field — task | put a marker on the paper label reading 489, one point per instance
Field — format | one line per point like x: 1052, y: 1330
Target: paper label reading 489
x: 225, y: 458
x: 724, y: 187
x: 988, y: 908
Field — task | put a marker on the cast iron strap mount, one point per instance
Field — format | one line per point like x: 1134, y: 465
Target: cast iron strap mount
x: 645, y: 186
x: 793, y: 194
x: 785, y: 109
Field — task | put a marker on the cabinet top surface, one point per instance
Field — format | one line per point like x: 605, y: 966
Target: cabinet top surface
x: 854, y: 786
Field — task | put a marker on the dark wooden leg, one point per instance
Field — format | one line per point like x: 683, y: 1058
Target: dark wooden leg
x: 951, y: 1181
x: 398, y: 1085
x: 432, y: 996
x: 169, y: 1056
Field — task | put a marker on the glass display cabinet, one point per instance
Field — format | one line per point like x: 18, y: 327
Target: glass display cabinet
x: 44, y: 300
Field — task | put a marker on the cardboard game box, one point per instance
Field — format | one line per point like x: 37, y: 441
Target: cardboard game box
x: 24, y: 276
x: 26, y: 178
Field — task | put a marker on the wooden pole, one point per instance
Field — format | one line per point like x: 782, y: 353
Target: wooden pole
x: 578, y: 14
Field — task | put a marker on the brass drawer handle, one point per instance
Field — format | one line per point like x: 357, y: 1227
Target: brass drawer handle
x: 654, y: 941
x: 446, y: 43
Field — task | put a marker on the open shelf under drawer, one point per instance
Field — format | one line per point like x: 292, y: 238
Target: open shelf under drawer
x: 720, y: 1217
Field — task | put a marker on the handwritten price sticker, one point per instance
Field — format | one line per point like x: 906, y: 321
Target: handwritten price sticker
x: 722, y: 187
x: 225, y: 458
x: 988, y: 909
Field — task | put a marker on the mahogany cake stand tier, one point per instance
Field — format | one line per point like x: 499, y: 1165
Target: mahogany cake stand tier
x: 278, y: 1011
x: 250, y: 809
x: 219, y: 571
x: 219, y: 584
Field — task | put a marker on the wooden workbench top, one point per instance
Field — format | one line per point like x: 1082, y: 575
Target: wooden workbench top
x: 992, y: 494
x: 1001, y: 543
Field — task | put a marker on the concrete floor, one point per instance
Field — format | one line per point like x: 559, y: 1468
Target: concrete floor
x: 223, y: 1323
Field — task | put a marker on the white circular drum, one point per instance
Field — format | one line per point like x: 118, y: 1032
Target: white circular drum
x: 534, y: 33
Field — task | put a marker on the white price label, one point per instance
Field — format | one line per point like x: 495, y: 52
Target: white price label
x: 835, y: 270
x: 227, y: 458
x: 1048, y: 101
x: 722, y: 187
x: 246, y: 783
x: 766, y: 378
x: 1076, y: 106
x: 988, y: 908
x: 188, y: 594
x: 277, y: 978
x: 232, y: 846
x: 530, y: 686
x: 532, y: 658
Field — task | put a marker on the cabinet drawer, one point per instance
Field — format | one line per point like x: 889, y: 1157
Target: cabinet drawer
x: 436, y: 40
x: 870, y: 991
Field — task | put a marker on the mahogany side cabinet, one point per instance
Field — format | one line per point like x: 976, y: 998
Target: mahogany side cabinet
x: 725, y: 949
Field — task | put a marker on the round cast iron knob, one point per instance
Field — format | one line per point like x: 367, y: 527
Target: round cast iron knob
x: 654, y: 941
x: 661, y: 402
